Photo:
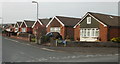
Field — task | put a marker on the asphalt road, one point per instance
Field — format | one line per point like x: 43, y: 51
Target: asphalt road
x: 16, y: 51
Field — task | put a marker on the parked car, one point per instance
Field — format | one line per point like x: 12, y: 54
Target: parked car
x: 55, y: 35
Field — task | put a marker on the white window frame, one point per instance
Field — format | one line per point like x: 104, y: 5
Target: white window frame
x: 88, y: 20
x: 16, y: 29
x: 23, y: 29
x: 91, y: 32
x: 55, y: 29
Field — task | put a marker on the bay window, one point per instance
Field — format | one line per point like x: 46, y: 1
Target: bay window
x: 55, y: 29
x: 23, y: 29
x: 89, y: 32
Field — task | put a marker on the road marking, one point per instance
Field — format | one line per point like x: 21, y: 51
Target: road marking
x: 14, y: 40
x: 11, y: 40
x: 6, y: 38
x: 116, y: 54
x: 47, y: 49
x: 28, y: 44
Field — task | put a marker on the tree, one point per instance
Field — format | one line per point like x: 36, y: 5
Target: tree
x: 40, y: 31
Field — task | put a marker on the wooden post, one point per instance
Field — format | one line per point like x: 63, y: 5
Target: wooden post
x: 56, y: 42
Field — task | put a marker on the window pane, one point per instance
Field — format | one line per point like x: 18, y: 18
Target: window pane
x: 92, y: 32
x: 88, y: 20
x: 97, y: 32
x: 81, y: 32
x: 85, y: 33
x: 88, y: 32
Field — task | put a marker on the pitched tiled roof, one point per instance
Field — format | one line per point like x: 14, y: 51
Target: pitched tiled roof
x: 109, y: 20
x: 9, y: 25
x: 68, y: 21
x: 19, y: 23
x: 44, y: 21
x: 29, y: 23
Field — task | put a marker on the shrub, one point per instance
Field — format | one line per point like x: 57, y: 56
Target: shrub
x: 33, y: 39
x: 59, y: 41
x: 45, y: 38
x: 117, y: 39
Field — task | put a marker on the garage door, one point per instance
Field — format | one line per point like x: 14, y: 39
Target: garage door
x: 55, y: 29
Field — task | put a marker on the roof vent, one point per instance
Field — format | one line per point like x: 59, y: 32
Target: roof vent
x: 111, y: 17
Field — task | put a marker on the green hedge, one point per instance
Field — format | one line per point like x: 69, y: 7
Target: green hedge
x: 116, y: 39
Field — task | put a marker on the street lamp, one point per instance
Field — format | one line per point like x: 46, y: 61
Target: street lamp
x: 37, y: 8
x: 36, y: 20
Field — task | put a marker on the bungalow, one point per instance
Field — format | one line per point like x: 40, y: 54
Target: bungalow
x: 97, y: 26
x: 63, y: 25
x: 4, y: 26
x: 17, y: 27
x: 40, y: 26
x: 9, y: 27
x: 26, y: 26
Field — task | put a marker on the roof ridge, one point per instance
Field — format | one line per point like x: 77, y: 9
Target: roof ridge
x: 103, y: 14
x: 67, y: 17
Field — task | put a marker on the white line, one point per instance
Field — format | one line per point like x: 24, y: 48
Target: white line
x: 11, y: 40
x: 47, y: 49
x: 6, y: 38
x: 14, y: 40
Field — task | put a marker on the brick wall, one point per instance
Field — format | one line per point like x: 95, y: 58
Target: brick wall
x: 23, y: 26
x: 48, y: 29
x: 36, y: 27
x: 77, y: 33
x: 19, y: 29
x: 114, y: 32
x: 69, y: 32
x: 29, y: 29
x: 103, y: 33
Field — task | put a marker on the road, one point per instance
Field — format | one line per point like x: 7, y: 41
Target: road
x: 16, y: 51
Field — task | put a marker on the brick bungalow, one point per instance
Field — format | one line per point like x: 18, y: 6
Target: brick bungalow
x: 4, y: 26
x: 9, y: 27
x: 17, y: 27
x: 97, y: 26
x: 26, y: 26
x: 63, y: 25
x: 40, y: 26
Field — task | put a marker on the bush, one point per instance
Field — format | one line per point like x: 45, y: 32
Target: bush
x: 117, y: 39
x: 33, y: 39
x: 45, y: 38
x: 59, y: 41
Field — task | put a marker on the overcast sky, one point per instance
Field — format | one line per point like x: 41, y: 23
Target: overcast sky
x: 13, y: 11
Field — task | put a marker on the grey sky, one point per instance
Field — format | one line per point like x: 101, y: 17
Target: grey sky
x: 13, y: 11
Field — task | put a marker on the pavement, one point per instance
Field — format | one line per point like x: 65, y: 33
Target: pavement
x: 14, y: 50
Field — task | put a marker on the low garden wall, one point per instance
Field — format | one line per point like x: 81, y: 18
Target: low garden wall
x: 22, y: 38
x: 87, y: 44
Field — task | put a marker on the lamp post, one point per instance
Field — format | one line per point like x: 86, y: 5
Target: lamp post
x: 36, y: 35
x: 37, y: 8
